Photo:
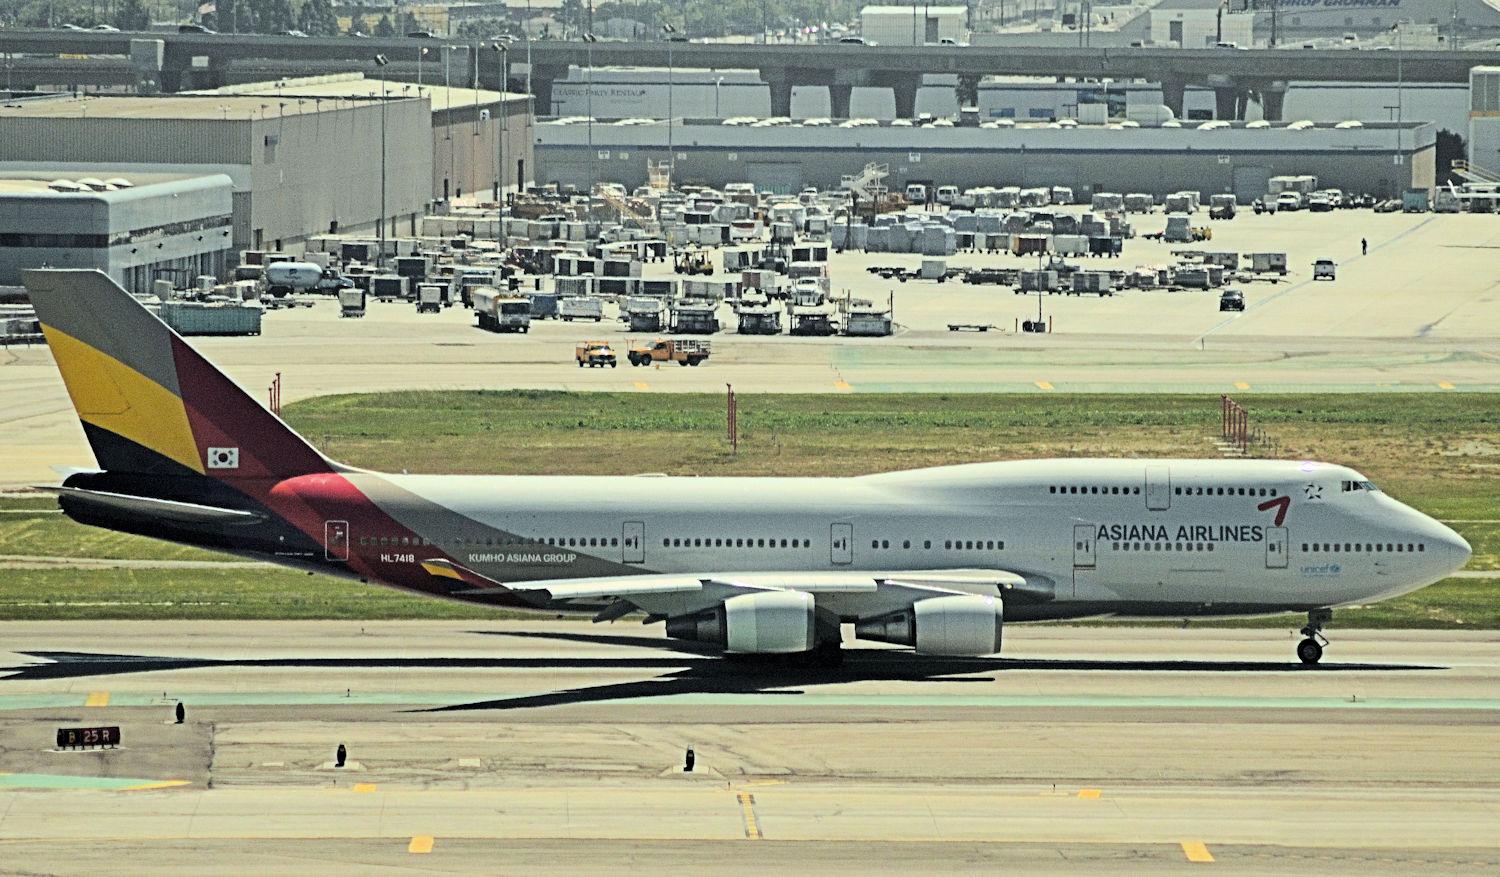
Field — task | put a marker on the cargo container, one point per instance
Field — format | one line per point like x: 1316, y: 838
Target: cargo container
x: 1266, y: 263
x: 570, y: 309
x: 193, y: 318
x: 1108, y: 202
x: 431, y: 297
x: 388, y: 287
x: 543, y: 305
x: 758, y: 319
x: 351, y: 303
x: 868, y: 321
x: 644, y: 314
x: 1096, y: 282
x: 694, y: 318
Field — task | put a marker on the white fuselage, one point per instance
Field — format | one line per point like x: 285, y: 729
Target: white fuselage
x: 1129, y: 537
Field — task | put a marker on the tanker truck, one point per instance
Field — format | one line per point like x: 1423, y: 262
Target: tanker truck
x: 284, y: 278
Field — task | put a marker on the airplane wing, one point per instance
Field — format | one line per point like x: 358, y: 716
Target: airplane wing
x: 720, y: 586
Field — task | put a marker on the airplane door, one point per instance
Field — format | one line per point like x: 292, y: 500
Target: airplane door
x: 841, y: 543
x: 335, y: 540
x: 1158, y: 488
x: 1083, y: 554
x: 1275, y: 548
x: 633, y: 542
x: 1083, y: 546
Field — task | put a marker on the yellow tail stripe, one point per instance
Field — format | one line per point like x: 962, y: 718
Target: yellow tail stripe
x: 420, y: 845
x: 444, y: 571
x: 110, y: 395
x: 1196, y: 852
x: 98, y: 698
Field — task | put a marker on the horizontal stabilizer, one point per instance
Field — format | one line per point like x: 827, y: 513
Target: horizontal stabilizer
x: 161, y: 508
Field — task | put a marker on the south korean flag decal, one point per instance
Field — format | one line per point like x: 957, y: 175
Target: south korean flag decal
x: 223, y: 458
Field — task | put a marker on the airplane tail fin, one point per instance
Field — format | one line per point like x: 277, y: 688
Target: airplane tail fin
x: 149, y: 403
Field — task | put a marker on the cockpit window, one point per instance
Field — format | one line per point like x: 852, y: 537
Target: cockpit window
x: 1360, y: 485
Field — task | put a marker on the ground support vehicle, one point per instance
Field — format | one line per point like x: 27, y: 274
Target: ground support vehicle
x: 595, y: 353
x: 683, y: 351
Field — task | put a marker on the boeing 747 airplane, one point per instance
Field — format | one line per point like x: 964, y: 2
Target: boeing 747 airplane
x: 936, y: 559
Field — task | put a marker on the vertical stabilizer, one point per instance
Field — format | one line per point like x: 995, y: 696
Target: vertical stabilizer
x: 149, y: 403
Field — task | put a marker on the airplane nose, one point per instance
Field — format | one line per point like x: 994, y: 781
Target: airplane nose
x: 1457, y: 547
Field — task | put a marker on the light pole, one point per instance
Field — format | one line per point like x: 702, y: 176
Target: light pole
x: 718, y: 81
x: 504, y: 51
x: 473, y: 51
x: 590, y: 39
x: 1399, y: 89
x: 380, y: 62
x: 451, y: 187
x: 668, y: 29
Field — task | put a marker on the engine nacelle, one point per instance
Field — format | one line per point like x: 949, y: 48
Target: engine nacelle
x: 965, y: 625
x: 766, y: 622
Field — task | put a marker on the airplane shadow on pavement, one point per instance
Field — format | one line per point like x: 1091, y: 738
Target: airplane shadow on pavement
x: 694, y: 670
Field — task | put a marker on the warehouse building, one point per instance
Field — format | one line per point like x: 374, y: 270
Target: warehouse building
x: 298, y: 167
x: 1381, y: 158
x: 134, y: 227
x: 468, y: 126
x: 914, y: 25
x: 304, y: 157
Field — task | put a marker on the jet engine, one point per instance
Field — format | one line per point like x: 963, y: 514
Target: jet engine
x: 765, y: 622
x: 960, y: 625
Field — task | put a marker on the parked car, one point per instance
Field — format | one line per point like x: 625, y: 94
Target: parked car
x: 1324, y: 269
x: 1231, y: 300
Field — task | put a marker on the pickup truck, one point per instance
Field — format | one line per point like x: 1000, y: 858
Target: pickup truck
x: 1324, y: 269
x: 592, y: 353
x: 679, y: 350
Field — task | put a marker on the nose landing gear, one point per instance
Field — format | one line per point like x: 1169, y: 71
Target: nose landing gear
x: 1310, y: 650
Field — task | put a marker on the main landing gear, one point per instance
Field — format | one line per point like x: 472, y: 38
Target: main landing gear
x: 1310, y: 650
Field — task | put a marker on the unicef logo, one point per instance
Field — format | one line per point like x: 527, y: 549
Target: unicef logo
x: 1333, y: 568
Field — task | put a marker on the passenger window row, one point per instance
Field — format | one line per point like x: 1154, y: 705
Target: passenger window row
x: 1113, y: 490
x: 1162, y: 546
x: 1223, y: 491
x: 1364, y: 548
x: 393, y: 541
x: 948, y: 545
x: 704, y: 542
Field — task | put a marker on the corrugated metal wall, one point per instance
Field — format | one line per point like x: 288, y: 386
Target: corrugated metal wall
x: 157, y: 141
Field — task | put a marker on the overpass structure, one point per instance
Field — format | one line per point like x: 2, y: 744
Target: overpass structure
x: 179, y: 62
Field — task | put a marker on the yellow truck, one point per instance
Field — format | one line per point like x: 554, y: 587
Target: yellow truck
x: 682, y: 351
x: 592, y: 353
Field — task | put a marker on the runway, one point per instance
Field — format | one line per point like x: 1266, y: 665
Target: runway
x: 555, y: 747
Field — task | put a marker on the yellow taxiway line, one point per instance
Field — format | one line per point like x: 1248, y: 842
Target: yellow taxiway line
x: 1196, y: 852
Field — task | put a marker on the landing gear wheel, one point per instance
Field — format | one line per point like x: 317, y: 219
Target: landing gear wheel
x: 1310, y: 650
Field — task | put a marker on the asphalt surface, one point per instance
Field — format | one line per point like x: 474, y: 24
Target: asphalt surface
x: 550, y: 747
